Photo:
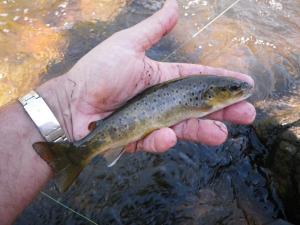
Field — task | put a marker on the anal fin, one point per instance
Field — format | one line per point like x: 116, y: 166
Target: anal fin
x: 113, y: 155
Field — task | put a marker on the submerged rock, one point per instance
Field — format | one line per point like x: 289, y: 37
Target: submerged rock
x: 283, y: 142
x: 190, y: 184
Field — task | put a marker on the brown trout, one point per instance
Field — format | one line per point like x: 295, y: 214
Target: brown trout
x: 162, y: 105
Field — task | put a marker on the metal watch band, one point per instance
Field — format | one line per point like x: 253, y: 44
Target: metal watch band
x: 43, y: 117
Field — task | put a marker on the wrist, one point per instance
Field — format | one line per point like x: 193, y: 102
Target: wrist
x: 54, y: 93
x: 23, y: 172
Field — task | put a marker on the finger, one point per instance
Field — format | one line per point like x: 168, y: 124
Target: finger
x: 146, y: 33
x: 239, y: 113
x: 202, y: 130
x: 175, y: 70
x: 156, y: 142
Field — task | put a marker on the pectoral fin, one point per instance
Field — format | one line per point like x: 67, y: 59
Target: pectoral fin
x: 113, y: 155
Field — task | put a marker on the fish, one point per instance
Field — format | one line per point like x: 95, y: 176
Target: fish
x: 161, y: 105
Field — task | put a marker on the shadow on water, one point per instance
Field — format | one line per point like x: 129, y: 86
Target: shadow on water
x: 240, y: 182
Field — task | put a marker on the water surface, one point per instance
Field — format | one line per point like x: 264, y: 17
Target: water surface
x: 191, y: 184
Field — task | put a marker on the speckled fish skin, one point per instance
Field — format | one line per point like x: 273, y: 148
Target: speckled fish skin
x: 162, y: 105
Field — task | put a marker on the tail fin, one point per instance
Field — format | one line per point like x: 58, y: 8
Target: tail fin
x: 66, y: 160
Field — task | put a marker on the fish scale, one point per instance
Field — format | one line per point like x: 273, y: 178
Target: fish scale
x: 161, y: 105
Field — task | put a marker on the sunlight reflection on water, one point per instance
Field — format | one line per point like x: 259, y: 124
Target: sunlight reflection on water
x: 33, y: 37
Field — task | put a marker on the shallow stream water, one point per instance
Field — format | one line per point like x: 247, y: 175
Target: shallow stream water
x: 191, y: 184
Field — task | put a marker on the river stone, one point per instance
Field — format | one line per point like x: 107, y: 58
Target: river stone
x: 190, y: 184
x: 282, y: 139
x: 278, y: 222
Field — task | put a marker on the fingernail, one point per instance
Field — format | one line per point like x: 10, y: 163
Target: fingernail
x: 250, y: 80
x: 252, y: 112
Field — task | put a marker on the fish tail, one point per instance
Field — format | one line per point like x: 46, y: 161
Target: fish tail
x: 65, y: 159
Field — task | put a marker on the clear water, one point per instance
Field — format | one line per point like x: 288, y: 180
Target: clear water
x: 42, y: 39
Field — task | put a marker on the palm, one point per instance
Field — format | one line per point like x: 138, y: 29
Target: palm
x: 107, y: 87
x: 118, y: 69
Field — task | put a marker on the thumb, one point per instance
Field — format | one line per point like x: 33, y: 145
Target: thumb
x: 146, y: 33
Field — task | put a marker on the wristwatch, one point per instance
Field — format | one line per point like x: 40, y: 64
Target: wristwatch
x: 42, y: 116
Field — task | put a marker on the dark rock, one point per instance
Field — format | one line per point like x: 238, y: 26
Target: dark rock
x: 283, y: 142
x: 190, y: 184
x: 279, y: 222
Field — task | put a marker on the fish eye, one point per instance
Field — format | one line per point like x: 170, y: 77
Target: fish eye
x: 234, y: 88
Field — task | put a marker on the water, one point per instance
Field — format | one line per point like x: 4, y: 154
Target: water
x: 34, y: 36
x: 191, y: 184
x: 255, y: 37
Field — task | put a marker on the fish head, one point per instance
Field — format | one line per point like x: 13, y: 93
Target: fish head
x: 222, y: 92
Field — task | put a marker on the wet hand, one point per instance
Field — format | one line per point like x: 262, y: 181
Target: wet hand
x: 118, y: 69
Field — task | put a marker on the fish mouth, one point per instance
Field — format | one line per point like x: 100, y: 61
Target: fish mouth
x: 240, y: 92
x: 246, y: 90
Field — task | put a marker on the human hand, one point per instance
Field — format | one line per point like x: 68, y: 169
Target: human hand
x: 118, y: 69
